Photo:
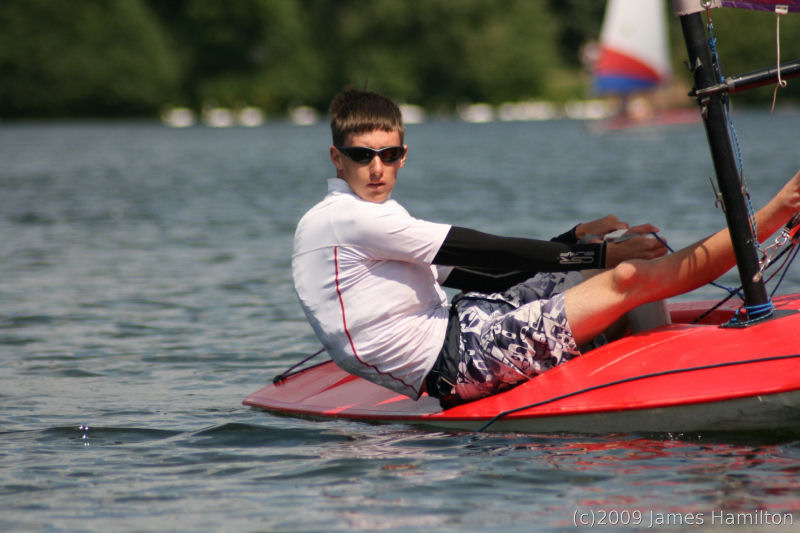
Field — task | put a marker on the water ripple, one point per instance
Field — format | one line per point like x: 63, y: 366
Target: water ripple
x: 145, y: 289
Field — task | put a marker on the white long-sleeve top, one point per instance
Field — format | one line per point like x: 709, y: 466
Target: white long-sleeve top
x: 364, y: 275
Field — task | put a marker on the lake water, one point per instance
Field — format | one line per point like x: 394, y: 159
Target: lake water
x: 145, y: 290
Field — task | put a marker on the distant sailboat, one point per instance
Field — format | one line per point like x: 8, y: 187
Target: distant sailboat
x: 633, y: 62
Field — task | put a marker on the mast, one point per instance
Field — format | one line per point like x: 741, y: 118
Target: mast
x: 715, y: 119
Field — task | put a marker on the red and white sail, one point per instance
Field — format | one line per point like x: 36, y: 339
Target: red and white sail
x: 634, y: 51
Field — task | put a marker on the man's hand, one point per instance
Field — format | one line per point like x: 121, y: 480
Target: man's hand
x: 641, y: 246
x: 595, y: 230
x: 635, y: 243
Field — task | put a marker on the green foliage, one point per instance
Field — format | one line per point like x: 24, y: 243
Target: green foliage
x: 746, y: 41
x: 129, y: 57
x: 578, y: 21
x: 249, y: 51
x: 93, y: 57
x: 440, y: 52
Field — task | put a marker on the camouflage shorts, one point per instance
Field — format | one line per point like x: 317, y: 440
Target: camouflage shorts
x: 505, y: 338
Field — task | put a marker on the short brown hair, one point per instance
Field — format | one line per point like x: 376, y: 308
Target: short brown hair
x: 355, y: 111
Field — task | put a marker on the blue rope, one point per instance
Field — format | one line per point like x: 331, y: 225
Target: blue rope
x: 712, y: 44
x: 783, y: 269
x: 752, y: 313
x: 748, y: 313
x: 757, y: 311
x: 732, y: 292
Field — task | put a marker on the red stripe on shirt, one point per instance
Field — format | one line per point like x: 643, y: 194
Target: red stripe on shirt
x: 341, y: 303
x: 347, y: 331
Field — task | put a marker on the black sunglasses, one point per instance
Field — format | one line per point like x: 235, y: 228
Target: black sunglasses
x: 363, y: 155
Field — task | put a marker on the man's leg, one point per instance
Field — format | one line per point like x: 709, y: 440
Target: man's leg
x: 595, y: 304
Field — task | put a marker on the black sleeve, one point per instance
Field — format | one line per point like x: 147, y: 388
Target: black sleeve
x: 568, y: 237
x: 464, y: 247
x: 466, y: 279
x: 490, y: 263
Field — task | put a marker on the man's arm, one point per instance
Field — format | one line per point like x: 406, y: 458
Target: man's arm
x: 491, y: 263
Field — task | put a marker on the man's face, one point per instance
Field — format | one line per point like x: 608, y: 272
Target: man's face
x: 372, y: 181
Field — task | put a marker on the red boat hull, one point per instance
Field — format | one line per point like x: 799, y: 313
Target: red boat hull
x: 657, y: 119
x: 677, y: 378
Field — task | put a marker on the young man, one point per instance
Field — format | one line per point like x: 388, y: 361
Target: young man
x: 369, y: 276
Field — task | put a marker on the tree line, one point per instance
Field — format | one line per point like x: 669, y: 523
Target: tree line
x: 110, y: 58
